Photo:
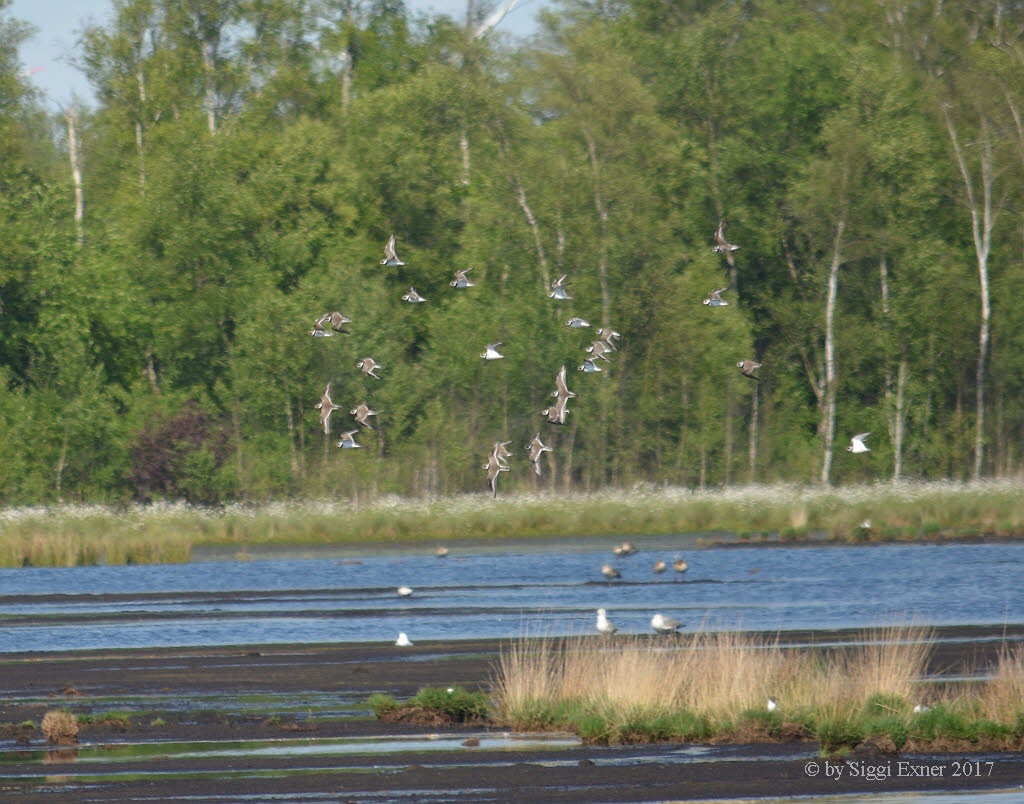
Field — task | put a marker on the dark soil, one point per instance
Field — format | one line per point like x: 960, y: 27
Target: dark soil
x: 33, y: 683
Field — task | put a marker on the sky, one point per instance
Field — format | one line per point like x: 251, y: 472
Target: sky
x: 58, y: 23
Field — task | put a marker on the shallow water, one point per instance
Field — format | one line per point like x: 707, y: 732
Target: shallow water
x: 491, y: 593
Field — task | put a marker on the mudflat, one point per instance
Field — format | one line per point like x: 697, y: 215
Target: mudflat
x: 170, y: 724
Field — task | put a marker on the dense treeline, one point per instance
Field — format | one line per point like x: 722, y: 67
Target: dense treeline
x: 165, y: 254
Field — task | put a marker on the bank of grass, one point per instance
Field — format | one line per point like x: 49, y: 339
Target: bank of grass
x: 713, y: 687
x: 75, y: 535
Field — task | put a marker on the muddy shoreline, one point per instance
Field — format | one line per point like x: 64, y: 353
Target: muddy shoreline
x: 190, y: 694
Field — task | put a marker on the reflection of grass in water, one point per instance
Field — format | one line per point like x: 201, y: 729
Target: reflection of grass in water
x: 73, y: 535
x: 714, y: 687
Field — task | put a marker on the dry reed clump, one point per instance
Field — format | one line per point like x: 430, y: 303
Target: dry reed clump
x: 60, y: 727
x: 1003, y: 696
x: 708, y: 685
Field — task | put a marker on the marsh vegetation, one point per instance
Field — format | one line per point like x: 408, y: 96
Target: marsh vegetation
x: 714, y: 687
x: 75, y: 535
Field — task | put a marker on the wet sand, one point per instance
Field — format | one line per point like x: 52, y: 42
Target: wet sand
x: 186, y: 694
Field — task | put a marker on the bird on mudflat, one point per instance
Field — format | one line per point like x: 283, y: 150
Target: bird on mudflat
x: 715, y: 299
x: 577, y: 323
x: 369, y: 365
x: 558, y: 289
x: 362, y: 412
x: 536, y: 450
x: 609, y: 572
x: 664, y: 625
x: 748, y: 367
x: 326, y: 408
x: 772, y: 705
x: 491, y: 352
x: 460, y: 280
x: 604, y: 625
x: 721, y: 244
x: 413, y: 297
x: 589, y: 366
x: 390, y: 257
x: 857, y: 443
x: 335, y: 319
x: 348, y: 440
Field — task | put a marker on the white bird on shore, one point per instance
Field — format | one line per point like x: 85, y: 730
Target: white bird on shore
x: 404, y: 591
x: 921, y: 708
x: 772, y: 705
x: 403, y: 640
x: 604, y: 626
x: 664, y: 625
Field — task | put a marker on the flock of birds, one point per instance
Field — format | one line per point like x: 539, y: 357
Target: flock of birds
x: 659, y: 622
x: 606, y: 343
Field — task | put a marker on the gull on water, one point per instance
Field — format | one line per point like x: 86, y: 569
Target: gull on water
x: 680, y: 566
x: 660, y: 567
x: 403, y: 640
x: 441, y: 552
x: 664, y: 625
x: 604, y: 626
x: 404, y: 591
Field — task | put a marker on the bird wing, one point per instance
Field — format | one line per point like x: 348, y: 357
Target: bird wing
x: 389, y: 249
x: 860, y: 437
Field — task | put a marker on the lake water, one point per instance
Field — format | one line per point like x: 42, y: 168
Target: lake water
x: 550, y: 589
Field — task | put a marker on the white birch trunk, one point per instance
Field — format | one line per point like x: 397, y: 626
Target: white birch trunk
x: 828, y: 423
x: 71, y: 117
x: 983, y: 218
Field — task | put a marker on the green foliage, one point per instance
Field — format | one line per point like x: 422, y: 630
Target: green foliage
x: 455, y: 702
x: 246, y: 161
x: 381, y: 704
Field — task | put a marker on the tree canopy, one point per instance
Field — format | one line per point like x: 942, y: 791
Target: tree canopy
x: 246, y: 160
